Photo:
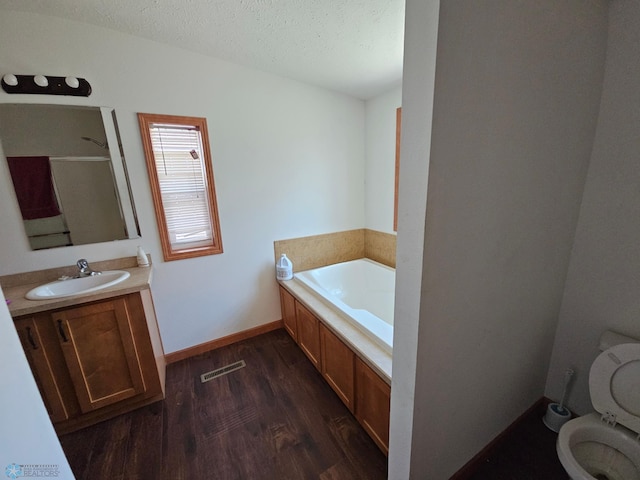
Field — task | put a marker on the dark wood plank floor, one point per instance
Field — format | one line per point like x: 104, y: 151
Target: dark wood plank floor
x: 274, y: 419
x: 528, y: 452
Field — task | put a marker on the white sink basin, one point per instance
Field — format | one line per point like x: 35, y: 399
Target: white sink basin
x: 77, y: 286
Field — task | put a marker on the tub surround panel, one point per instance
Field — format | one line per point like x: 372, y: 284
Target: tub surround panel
x: 329, y: 248
x: 381, y: 247
x: 320, y: 250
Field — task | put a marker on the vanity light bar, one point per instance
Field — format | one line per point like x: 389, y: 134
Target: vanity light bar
x: 45, y: 85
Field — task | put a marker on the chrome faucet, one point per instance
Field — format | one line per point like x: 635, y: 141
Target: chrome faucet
x: 85, y: 269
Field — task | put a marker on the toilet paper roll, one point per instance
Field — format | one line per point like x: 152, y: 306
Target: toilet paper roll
x: 556, y: 416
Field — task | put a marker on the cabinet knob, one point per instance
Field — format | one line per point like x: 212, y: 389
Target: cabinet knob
x: 61, y: 330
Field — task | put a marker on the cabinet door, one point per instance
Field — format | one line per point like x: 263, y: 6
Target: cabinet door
x: 372, y: 404
x: 308, y: 334
x: 98, y: 346
x: 44, y: 359
x: 338, y: 364
x: 288, y: 306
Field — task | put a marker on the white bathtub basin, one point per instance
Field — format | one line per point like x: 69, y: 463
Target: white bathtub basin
x: 77, y: 286
x: 361, y: 291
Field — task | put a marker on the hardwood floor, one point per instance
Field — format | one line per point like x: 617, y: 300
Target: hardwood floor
x: 274, y: 419
x: 526, y: 453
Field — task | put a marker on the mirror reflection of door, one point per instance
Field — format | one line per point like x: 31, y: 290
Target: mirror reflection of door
x: 89, y: 202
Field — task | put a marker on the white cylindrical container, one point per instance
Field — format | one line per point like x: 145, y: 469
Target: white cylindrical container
x: 143, y: 260
x: 556, y: 416
x: 284, y: 268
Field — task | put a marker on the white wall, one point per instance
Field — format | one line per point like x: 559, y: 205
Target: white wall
x: 421, y: 35
x: 380, y: 159
x: 516, y: 100
x: 27, y: 434
x: 603, y: 282
x: 288, y: 161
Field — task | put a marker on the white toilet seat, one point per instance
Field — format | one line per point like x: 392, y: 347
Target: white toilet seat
x: 614, y: 384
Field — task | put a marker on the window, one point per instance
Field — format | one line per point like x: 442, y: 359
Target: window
x: 181, y: 175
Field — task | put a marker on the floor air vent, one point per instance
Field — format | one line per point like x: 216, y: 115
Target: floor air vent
x: 205, y: 377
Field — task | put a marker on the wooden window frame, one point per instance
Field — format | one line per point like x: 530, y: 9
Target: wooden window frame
x: 170, y: 253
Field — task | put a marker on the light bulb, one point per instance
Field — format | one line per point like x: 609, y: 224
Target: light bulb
x: 10, y: 79
x: 72, y: 82
x: 41, y: 81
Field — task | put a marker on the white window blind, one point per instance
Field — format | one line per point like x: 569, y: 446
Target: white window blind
x: 177, y: 150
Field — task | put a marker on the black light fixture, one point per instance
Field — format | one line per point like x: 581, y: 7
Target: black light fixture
x: 45, y: 85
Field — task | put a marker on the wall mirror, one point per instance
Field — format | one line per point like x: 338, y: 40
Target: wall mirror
x: 69, y: 174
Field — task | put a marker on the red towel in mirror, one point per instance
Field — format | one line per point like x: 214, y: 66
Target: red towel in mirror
x: 33, y: 184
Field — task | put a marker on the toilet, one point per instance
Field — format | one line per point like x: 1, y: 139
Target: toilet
x: 606, y: 445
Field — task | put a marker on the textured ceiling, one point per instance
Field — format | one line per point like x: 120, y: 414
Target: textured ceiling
x: 351, y: 46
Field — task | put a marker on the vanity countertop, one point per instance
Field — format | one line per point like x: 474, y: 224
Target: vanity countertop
x: 139, y: 279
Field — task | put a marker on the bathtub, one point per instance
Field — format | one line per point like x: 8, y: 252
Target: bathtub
x: 361, y: 291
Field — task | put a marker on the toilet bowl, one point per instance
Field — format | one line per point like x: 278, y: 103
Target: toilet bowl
x: 606, y: 445
x: 588, y: 448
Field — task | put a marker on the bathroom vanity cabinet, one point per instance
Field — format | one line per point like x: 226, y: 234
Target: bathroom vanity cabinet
x: 359, y: 387
x: 95, y: 360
